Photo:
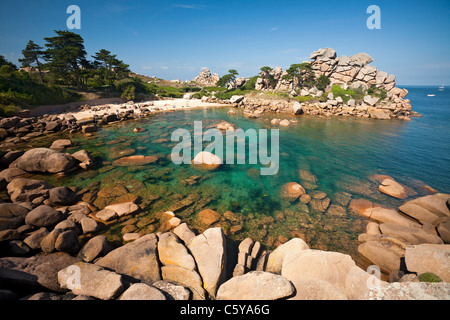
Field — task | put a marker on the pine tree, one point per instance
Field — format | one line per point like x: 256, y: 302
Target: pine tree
x: 66, y: 56
x: 31, y: 55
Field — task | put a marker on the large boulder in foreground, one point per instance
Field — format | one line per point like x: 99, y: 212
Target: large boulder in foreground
x: 255, y: 285
x: 336, y: 274
x: 137, y: 259
x: 91, y: 280
x: 276, y: 257
x: 432, y: 258
x: 141, y: 291
x: 44, y: 160
x: 35, y: 273
x: 209, y: 251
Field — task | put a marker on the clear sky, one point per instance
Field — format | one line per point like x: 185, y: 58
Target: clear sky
x: 176, y: 39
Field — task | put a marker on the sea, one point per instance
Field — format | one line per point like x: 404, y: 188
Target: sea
x: 341, y: 154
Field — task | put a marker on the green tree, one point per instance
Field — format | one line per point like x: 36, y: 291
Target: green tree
x: 109, y: 67
x: 230, y: 77
x: 3, y: 62
x: 103, y: 62
x: 31, y: 56
x: 300, y: 74
x: 322, y: 82
x: 121, y: 69
x: 266, y: 73
x: 66, y: 56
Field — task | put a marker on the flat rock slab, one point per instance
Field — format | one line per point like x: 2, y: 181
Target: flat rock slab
x: 137, y: 259
x: 134, y: 161
x: 255, y: 285
x: 410, y: 291
x: 434, y: 258
x: 123, y: 209
x: 35, y: 273
x: 91, y: 280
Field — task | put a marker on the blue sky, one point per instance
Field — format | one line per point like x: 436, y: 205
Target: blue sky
x: 176, y: 39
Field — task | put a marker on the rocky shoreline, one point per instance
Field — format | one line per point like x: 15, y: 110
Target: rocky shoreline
x: 47, y: 233
x: 48, y: 236
x: 377, y: 98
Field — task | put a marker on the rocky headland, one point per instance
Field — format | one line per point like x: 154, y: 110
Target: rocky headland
x: 354, y: 88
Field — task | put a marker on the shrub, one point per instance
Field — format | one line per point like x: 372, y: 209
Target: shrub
x: 377, y: 92
x: 129, y: 92
x: 322, y: 82
x: 429, y: 277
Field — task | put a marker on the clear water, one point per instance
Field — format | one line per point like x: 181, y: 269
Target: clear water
x: 342, y: 152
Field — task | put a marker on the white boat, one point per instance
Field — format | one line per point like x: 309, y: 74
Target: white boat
x: 441, y: 88
x: 431, y: 95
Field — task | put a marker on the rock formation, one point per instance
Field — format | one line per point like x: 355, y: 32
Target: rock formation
x: 206, y: 79
x: 379, y: 98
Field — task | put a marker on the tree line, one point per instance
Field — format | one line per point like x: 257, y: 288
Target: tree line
x: 65, y: 60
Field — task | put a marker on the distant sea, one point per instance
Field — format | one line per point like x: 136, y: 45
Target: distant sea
x: 423, y: 149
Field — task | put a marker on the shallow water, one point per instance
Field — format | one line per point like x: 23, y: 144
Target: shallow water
x: 341, y: 152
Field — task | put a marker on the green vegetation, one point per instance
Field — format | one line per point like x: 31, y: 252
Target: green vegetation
x: 322, y: 82
x: 224, y: 80
x: 18, y: 90
x: 346, y: 95
x: 429, y: 277
x: 377, y: 92
x: 301, y: 75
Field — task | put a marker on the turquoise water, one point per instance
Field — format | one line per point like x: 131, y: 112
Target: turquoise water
x: 341, y: 152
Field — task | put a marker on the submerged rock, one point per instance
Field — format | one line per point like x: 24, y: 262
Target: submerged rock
x: 292, y: 191
x: 134, y: 161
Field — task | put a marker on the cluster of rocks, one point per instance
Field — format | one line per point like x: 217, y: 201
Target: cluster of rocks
x: 255, y: 107
x: 352, y: 72
x: 22, y: 128
x: 180, y: 265
x: 354, y: 69
x: 206, y: 79
x: 392, y: 236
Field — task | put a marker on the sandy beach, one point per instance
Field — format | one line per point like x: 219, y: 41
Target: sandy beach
x: 152, y: 106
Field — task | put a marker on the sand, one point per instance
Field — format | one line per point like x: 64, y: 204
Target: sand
x: 153, y: 106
